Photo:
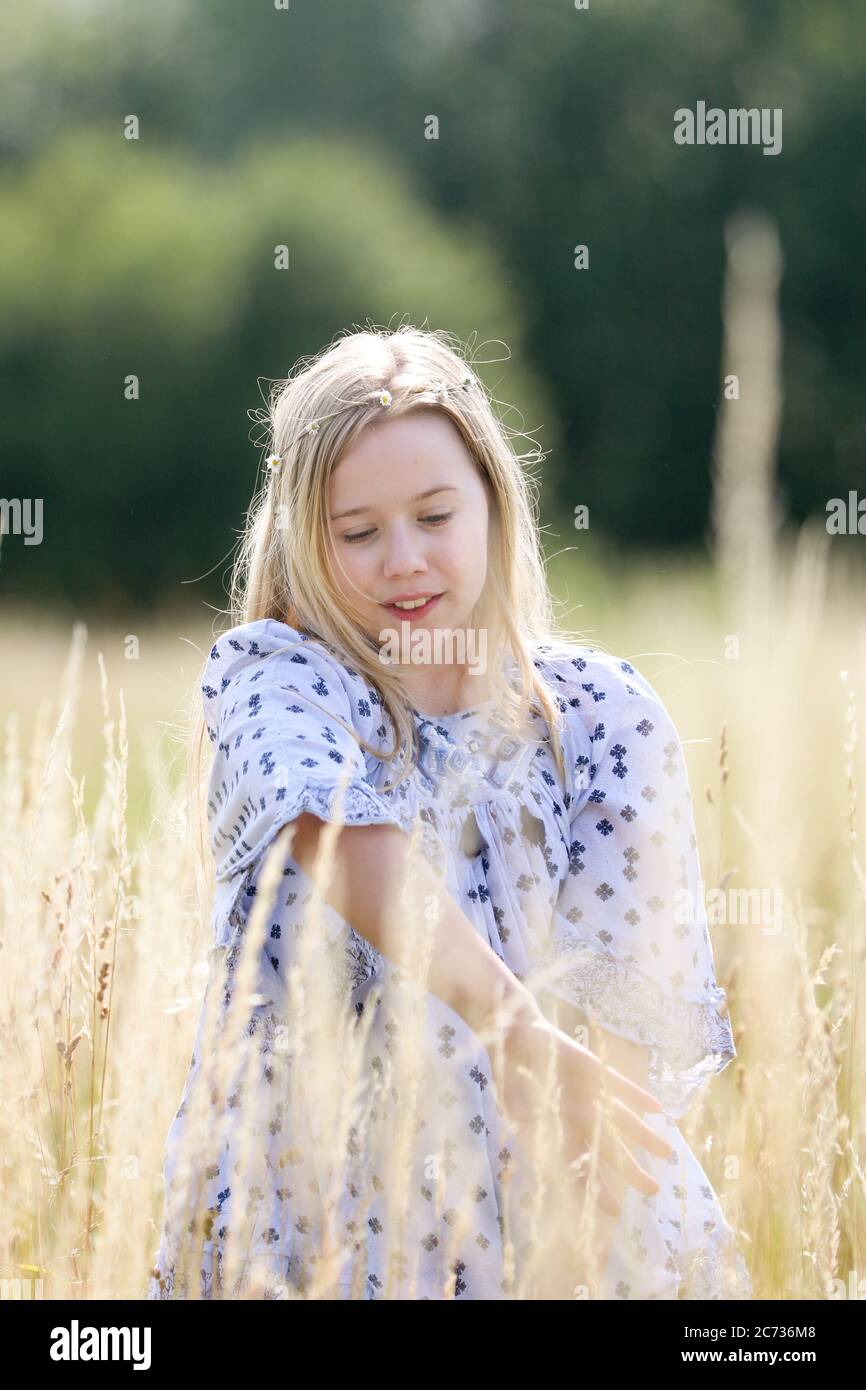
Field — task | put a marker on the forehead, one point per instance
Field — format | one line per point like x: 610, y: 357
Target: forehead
x: 391, y: 461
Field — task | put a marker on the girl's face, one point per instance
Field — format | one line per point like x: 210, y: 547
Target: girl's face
x: 399, y: 543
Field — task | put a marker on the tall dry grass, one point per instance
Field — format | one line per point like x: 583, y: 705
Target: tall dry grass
x: 106, y: 964
x: 105, y: 954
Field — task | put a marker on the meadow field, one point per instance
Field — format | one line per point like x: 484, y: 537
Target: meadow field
x: 105, y: 936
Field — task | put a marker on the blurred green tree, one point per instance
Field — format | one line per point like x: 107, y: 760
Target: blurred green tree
x: 309, y: 126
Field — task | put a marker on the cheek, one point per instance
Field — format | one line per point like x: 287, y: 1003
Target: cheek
x: 469, y: 545
x: 348, y: 567
x: 357, y: 579
x: 468, y: 536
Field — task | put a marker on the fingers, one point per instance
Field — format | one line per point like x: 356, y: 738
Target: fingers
x: 608, y: 1202
x: 633, y: 1128
x: 594, y: 1082
x: 607, y: 1197
x: 625, y: 1165
x: 621, y: 1124
x: 619, y: 1087
x: 611, y: 1188
x: 617, y: 1168
x: 638, y: 1176
x: 629, y: 1091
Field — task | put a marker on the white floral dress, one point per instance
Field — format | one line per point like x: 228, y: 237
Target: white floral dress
x: 598, y: 860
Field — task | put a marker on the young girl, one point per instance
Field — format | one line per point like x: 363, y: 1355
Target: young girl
x: 391, y: 615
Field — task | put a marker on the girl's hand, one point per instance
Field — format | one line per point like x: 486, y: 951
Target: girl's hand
x: 524, y: 1056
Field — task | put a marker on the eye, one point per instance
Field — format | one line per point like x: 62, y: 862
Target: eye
x: 436, y: 520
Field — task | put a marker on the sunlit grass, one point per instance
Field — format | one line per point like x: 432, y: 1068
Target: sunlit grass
x: 105, y: 945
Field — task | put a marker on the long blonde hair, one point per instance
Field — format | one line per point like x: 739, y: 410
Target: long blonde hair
x: 283, y: 569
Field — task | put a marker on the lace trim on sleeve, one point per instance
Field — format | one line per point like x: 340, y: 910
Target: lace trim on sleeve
x: 689, y: 1040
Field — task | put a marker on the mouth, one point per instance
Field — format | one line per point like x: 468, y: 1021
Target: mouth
x: 413, y: 613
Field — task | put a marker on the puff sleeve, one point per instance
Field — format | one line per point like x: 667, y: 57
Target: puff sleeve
x: 282, y: 713
x: 630, y: 927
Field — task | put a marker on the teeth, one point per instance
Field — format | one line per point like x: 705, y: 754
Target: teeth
x: 413, y: 603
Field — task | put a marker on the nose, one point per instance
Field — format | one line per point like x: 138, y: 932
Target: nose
x: 404, y: 555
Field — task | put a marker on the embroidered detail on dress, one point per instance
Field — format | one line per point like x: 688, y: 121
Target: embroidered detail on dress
x: 688, y: 1041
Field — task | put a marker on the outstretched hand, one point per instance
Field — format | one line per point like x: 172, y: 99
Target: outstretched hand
x: 522, y: 1066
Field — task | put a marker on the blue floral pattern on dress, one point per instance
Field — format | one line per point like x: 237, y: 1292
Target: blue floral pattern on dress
x: 581, y: 876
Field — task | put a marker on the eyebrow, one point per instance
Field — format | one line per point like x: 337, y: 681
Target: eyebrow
x: 419, y: 496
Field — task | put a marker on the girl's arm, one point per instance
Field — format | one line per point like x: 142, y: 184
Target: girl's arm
x: 370, y: 864
x: 464, y: 972
x: 370, y: 861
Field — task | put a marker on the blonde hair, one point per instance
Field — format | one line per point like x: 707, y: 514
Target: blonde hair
x: 283, y: 567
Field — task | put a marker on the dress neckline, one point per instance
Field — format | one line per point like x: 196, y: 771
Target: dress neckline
x: 456, y: 714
